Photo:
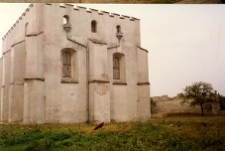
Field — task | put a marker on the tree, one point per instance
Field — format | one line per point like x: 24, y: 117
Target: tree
x: 200, y: 93
x: 222, y: 101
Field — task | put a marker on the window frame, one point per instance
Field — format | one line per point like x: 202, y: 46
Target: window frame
x: 121, y: 78
x: 72, y: 62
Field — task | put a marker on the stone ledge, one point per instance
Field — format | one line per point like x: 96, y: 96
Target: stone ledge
x: 143, y: 49
x: 119, y: 83
x: 98, y: 81
x: 39, y: 79
x: 68, y: 81
x: 17, y: 43
x: 34, y: 34
x: 143, y: 83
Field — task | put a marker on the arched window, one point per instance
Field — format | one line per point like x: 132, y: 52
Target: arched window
x: 116, y: 68
x: 118, y: 28
x: 66, y: 65
x: 94, y: 26
x: 65, y: 19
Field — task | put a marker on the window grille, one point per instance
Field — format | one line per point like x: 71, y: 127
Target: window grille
x: 116, y: 68
x: 66, y: 64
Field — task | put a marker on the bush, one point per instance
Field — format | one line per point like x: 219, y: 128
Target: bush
x: 222, y: 102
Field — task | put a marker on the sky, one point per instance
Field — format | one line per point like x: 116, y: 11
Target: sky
x: 186, y: 43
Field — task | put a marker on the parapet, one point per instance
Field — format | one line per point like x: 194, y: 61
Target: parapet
x: 17, y: 22
x: 76, y: 8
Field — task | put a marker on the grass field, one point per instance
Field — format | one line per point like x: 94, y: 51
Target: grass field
x: 179, y: 133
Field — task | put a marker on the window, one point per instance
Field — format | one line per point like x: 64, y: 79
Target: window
x: 66, y: 65
x: 69, y: 72
x: 116, y: 68
x: 65, y: 19
x: 118, y: 28
x: 94, y: 26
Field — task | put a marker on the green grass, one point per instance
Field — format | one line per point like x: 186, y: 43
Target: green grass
x: 179, y: 133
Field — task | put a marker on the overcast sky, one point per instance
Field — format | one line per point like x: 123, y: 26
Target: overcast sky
x: 186, y: 43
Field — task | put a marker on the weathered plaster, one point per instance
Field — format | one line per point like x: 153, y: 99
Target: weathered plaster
x: 33, y: 89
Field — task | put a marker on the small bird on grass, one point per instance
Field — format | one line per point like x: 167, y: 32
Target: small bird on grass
x: 204, y: 124
x: 99, y: 126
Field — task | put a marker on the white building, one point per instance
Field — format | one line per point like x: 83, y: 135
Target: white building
x: 73, y: 65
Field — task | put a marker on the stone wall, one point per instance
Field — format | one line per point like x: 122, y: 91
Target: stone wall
x: 164, y: 105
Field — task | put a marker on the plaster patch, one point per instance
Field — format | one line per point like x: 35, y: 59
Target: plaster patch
x: 104, y: 76
x: 102, y: 88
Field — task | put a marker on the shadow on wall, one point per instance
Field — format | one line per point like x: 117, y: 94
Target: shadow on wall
x: 164, y: 105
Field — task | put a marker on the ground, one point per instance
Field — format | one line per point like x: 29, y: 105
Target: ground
x: 168, y: 133
x: 199, y: 2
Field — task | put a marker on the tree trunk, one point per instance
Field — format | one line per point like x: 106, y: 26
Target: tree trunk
x: 202, y: 109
